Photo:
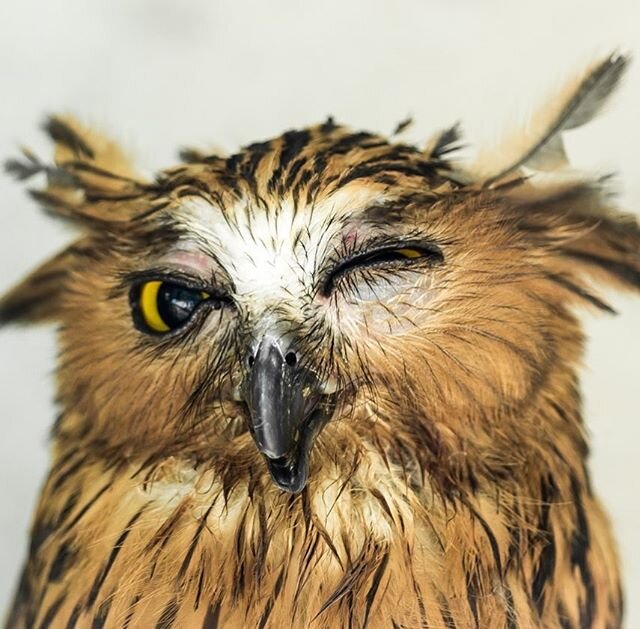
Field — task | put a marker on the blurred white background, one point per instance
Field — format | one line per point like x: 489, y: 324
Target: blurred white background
x: 160, y: 74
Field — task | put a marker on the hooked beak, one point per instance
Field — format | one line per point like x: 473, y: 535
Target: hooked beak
x: 287, y: 408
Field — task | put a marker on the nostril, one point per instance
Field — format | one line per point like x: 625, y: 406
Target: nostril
x: 291, y: 359
x: 251, y: 360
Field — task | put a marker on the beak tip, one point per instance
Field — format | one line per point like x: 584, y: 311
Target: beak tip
x: 290, y: 476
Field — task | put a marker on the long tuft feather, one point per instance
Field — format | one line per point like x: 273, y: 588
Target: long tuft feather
x: 539, y: 146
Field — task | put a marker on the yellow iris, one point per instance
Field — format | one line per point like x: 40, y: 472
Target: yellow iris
x: 150, y: 303
x: 149, y: 306
x: 410, y: 253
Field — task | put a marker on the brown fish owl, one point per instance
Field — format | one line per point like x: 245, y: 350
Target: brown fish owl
x: 328, y: 381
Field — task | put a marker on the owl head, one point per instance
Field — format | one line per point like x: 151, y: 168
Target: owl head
x: 327, y: 297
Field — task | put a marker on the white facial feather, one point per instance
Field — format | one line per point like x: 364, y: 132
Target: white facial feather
x: 273, y: 258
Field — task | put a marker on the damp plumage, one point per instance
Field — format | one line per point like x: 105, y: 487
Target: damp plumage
x: 326, y: 381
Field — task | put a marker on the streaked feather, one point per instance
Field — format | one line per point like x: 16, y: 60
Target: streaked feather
x: 449, y: 489
x: 444, y: 142
x: 403, y: 125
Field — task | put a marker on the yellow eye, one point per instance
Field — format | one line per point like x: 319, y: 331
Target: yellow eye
x: 383, y: 256
x: 165, y: 306
x: 384, y: 259
x: 410, y: 253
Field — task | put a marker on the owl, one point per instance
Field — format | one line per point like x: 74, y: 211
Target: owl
x: 327, y: 381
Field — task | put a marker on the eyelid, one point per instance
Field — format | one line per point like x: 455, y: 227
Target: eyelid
x: 195, y: 262
x: 411, y: 251
x: 190, y: 261
x: 164, y: 274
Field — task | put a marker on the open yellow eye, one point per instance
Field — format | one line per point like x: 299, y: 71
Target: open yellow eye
x: 149, y: 307
x: 165, y: 306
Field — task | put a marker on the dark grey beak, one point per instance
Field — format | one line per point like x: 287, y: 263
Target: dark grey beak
x: 287, y: 410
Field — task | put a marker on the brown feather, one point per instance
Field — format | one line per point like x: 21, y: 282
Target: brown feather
x: 450, y: 488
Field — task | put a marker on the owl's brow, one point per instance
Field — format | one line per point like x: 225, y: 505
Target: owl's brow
x: 396, y: 210
x: 191, y: 258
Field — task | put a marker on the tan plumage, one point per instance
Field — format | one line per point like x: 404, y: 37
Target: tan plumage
x: 429, y: 305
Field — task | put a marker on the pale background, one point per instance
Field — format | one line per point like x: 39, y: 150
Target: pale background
x: 160, y: 74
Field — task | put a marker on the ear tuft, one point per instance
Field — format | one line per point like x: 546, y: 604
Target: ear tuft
x: 64, y: 135
x: 539, y: 145
x: 91, y: 182
x: 76, y: 142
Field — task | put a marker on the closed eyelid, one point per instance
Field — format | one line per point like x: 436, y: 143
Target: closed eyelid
x: 358, y: 243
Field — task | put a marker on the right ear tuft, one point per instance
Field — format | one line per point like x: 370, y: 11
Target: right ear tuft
x: 92, y: 182
x: 66, y: 137
x: 74, y: 142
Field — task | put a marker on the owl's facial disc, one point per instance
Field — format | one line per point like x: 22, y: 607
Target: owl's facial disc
x: 287, y: 409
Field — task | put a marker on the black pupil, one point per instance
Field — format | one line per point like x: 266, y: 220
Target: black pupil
x: 177, y: 303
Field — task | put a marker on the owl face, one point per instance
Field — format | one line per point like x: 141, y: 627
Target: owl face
x: 248, y: 315
x: 291, y: 292
x: 258, y: 311
x: 319, y: 296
